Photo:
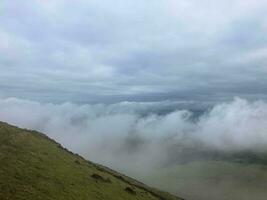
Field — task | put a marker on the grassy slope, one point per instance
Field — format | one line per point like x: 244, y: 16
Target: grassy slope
x: 32, y: 166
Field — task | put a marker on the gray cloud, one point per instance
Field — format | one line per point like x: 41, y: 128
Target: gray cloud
x: 111, y: 51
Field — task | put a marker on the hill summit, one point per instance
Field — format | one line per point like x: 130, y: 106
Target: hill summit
x: 35, y: 167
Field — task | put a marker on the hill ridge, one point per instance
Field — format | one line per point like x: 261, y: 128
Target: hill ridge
x: 102, y: 180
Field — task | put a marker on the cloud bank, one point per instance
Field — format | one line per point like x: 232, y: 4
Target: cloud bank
x: 137, y: 136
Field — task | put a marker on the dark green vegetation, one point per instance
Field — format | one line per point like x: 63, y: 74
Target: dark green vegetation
x: 32, y: 166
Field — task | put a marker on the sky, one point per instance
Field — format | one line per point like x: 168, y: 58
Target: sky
x: 123, y: 50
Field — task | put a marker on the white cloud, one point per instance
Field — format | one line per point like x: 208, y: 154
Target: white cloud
x: 134, y: 136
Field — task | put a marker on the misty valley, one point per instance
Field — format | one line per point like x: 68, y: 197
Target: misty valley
x: 204, y: 151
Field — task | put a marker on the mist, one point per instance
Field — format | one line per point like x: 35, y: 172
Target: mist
x: 133, y: 136
x: 176, y: 146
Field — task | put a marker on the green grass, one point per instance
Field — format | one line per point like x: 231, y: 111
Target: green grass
x: 34, y: 167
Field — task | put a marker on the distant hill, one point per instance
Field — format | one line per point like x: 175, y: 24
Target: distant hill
x: 35, y: 167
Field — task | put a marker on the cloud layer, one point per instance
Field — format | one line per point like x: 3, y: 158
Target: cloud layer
x: 139, y: 136
x: 57, y: 50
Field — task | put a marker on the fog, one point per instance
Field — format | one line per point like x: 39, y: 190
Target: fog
x: 160, y: 142
x: 141, y: 136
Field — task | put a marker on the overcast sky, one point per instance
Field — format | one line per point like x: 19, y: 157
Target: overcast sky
x: 135, y: 50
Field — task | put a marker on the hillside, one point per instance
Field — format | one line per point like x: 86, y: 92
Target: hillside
x: 34, y: 167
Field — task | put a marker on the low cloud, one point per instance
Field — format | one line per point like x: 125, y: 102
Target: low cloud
x: 137, y: 136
